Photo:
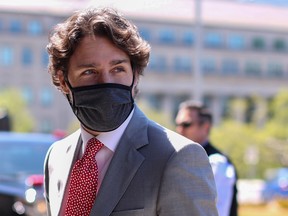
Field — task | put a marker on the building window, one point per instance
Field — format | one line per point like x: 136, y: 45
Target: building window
x: 279, y: 45
x: 27, y: 56
x: 15, y: 26
x: 1, y: 25
x: 188, y: 38
x: 213, y: 40
x: 167, y: 36
x: 225, y: 102
x: 208, y: 100
x: 258, y: 43
x: 208, y: 65
x: 253, y: 68
x: 46, y: 97
x: 177, y: 99
x: 155, y: 101
x: 45, y: 58
x: 183, y: 64
x: 145, y: 34
x: 152, y: 63
x: 275, y: 70
x: 158, y: 63
x: 6, y: 56
x: 46, y: 125
x: 35, y: 28
x: 230, y: 66
x: 236, y: 42
x: 28, y: 94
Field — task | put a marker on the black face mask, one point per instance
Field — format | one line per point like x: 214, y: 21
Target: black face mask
x: 102, y: 107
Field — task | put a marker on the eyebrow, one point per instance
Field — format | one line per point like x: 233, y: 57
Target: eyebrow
x: 119, y: 61
x: 111, y: 63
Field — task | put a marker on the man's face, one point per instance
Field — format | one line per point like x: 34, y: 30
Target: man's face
x: 188, y: 125
x: 96, y: 60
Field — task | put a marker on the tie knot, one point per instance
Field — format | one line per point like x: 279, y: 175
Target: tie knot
x: 93, y: 146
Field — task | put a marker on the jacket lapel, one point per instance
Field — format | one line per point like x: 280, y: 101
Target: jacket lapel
x: 63, y: 168
x: 125, y: 163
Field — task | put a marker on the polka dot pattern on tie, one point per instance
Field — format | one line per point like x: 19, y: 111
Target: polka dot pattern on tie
x: 84, y: 182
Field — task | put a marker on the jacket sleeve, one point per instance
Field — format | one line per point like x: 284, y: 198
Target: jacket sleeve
x: 188, y: 186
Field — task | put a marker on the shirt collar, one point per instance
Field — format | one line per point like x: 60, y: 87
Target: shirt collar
x: 109, y: 139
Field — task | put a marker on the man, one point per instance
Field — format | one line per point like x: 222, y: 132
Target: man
x: 194, y: 121
x: 141, y: 168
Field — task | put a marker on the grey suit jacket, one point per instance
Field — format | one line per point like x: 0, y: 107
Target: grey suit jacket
x: 154, y: 171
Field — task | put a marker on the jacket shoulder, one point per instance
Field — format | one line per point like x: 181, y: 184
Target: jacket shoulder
x: 164, y: 135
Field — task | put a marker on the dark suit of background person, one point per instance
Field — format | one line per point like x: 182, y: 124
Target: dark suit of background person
x: 194, y: 121
x: 150, y: 170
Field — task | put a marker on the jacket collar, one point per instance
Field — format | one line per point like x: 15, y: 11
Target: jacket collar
x: 124, y: 164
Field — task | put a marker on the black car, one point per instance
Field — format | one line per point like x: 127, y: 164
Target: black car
x: 21, y: 173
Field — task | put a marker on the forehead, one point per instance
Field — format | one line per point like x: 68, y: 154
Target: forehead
x: 96, y: 50
x: 97, y: 44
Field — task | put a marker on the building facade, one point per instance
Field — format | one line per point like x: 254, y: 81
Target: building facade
x: 217, y: 58
x: 23, y: 65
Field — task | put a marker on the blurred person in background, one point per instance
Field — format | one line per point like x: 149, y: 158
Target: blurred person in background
x: 119, y: 161
x: 194, y: 121
x: 5, y: 121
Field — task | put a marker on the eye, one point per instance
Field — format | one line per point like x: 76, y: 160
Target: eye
x: 118, y: 69
x: 88, y: 72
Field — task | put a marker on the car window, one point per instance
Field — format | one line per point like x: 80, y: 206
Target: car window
x: 22, y: 158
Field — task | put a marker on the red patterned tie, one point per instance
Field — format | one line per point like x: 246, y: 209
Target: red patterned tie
x: 84, y: 182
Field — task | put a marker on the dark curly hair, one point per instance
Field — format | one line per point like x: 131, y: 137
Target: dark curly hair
x: 105, y: 22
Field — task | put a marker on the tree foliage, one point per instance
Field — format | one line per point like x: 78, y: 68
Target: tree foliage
x: 254, y: 135
x: 277, y: 128
x: 20, y: 118
x: 257, y: 145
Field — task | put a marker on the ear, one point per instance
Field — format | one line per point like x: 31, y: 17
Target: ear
x: 62, y: 83
x: 135, y: 89
x: 207, y: 126
x: 136, y: 80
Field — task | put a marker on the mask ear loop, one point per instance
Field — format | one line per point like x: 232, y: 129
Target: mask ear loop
x: 70, y: 100
x: 131, y: 89
x: 68, y: 83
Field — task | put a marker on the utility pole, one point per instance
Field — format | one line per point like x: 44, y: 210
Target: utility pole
x: 197, y: 87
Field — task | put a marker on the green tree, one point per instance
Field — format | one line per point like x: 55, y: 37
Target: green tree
x: 20, y: 117
x: 277, y: 125
x: 244, y: 142
x: 237, y: 140
x: 257, y: 145
x: 277, y: 128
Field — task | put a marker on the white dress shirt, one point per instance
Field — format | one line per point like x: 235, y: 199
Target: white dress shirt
x: 110, y: 140
x: 225, y: 177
